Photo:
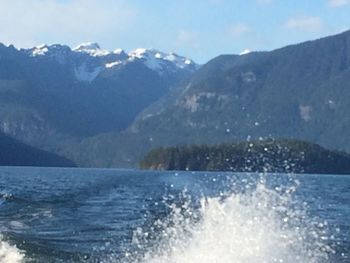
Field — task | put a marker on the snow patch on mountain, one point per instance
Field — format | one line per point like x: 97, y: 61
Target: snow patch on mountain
x: 179, y: 61
x: 113, y: 64
x: 138, y: 53
x: 157, y: 60
x: 57, y: 51
x: 119, y: 51
x: 245, y: 52
x: 40, y: 50
x: 83, y: 73
x: 93, y: 49
x: 150, y: 57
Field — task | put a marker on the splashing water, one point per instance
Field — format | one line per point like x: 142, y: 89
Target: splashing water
x: 263, y: 225
x: 10, y: 254
x: 236, y: 218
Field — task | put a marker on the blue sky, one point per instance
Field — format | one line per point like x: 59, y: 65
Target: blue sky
x: 199, y: 29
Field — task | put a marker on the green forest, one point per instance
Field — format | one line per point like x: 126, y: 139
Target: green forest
x: 282, y: 156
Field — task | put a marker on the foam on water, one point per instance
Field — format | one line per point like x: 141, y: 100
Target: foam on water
x: 10, y: 254
x: 261, y: 225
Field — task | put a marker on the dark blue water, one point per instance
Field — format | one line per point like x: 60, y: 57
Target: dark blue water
x: 97, y: 215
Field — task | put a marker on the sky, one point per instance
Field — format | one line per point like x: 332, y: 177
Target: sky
x: 198, y: 29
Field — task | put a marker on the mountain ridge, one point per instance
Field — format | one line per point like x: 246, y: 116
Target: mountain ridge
x: 154, y: 59
x: 299, y: 92
x: 52, y: 96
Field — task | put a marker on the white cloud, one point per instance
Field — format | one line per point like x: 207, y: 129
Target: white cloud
x: 305, y: 23
x: 238, y: 30
x: 69, y: 21
x: 337, y: 3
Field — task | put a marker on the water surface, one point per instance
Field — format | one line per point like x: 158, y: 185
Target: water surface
x: 103, y: 215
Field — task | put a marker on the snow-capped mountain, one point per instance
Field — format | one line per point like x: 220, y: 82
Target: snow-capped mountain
x: 245, y: 52
x: 50, y: 92
x: 92, y: 49
x: 99, y: 59
x: 157, y: 60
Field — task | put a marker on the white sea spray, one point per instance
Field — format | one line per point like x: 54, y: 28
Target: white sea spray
x: 10, y: 254
x: 260, y: 225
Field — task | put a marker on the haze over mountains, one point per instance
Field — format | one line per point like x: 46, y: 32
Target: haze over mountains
x: 82, y: 103
x: 54, y: 95
x: 15, y: 153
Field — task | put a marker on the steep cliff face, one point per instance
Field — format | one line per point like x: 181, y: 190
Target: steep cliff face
x: 298, y: 91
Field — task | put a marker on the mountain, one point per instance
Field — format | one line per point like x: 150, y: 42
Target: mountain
x: 15, y: 153
x: 299, y: 92
x: 52, y: 96
x: 271, y: 156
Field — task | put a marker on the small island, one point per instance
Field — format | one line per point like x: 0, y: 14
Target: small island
x: 271, y: 156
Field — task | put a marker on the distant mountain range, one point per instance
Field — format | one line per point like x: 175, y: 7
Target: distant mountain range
x: 103, y: 108
x: 299, y: 92
x: 52, y: 97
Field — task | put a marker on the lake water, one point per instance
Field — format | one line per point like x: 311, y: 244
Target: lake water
x: 101, y: 215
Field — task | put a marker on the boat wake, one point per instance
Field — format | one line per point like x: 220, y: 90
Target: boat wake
x: 249, y: 222
x: 10, y: 254
x: 260, y: 225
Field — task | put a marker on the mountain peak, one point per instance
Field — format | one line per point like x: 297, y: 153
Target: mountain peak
x: 40, y: 50
x: 45, y: 49
x: 154, y: 59
x: 119, y: 51
x: 139, y: 52
x: 92, y: 49
x: 245, y: 52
